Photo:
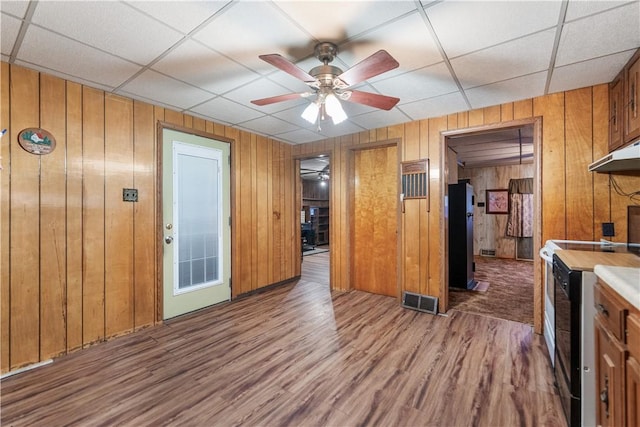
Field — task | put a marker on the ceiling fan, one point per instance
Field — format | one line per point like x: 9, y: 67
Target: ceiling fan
x: 322, y: 175
x: 329, y: 84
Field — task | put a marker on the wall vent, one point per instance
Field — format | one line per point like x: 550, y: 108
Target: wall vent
x: 419, y: 302
x: 488, y: 252
x: 415, y: 181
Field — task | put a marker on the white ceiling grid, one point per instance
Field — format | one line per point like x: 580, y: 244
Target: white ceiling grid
x: 201, y: 57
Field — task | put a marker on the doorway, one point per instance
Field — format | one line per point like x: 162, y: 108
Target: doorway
x: 489, y: 159
x: 315, y: 209
x: 196, y: 248
x: 374, y: 253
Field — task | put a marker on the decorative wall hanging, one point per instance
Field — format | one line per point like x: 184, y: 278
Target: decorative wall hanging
x: 415, y: 180
x: 497, y: 201
x: 37, y: 141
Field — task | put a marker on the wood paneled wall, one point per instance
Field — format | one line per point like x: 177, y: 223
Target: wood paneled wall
x: 574, y: 201
x: 78, y: 264
x: 489, y: 231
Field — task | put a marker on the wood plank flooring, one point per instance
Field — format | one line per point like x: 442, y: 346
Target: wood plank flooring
x: 510, y: 293
x: 299, y: 355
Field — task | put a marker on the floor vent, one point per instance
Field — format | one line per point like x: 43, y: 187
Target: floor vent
x: 488, y: 252
x: 420, y: 302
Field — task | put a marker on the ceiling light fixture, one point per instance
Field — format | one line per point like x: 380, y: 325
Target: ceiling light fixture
x: 310, y: 113
x: 327, y: 103
x: 330, y: 85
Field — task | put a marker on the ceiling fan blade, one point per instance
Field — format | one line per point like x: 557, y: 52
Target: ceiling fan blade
x: 279, y: 98
x: 377, y: 63
x: 373, y: 99
x: 287, y: 66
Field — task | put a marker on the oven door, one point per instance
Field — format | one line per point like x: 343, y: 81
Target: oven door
x: 567, y: 311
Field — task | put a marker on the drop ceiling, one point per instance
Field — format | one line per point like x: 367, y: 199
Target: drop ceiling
x: 201, y: 57
x: 512, y: 146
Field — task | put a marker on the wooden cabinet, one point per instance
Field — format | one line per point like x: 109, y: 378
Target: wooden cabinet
x: 320, y: 221
x: 633, y: 370
x: 633, y: 392
x: 624, y: 105
x: 632, y: 98
x: 617, y: 346
x: 616, y: 112
x: 315, y: 203
x: 610, y: 365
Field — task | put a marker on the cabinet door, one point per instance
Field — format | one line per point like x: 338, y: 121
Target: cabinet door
x: 610, y: 357
x: 633, y: 392
x: 632, y: 93
x: 616, y: 110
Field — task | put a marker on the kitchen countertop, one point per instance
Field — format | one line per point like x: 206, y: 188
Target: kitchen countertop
x: 624, y: 280
x: 587, y: 260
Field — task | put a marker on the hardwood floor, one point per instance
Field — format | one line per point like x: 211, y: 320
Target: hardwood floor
x: 299, y: 355
x: 510, y: 293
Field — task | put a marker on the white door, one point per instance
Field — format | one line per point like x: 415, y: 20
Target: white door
x: 196, y: 212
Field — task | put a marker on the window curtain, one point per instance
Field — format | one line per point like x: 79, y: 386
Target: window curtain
x: 520, y: 222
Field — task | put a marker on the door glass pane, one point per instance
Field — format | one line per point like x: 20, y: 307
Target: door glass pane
x: 198, y: 221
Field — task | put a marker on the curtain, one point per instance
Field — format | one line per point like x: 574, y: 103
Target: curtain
x: 520, y: 221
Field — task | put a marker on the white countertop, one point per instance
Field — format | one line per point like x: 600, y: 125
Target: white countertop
x: 624, y: 280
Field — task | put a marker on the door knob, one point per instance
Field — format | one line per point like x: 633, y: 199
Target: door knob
x: 168, y: 239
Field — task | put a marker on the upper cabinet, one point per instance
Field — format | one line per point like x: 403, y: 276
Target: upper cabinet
x: 616, y: 100
x: 632, y: 98
x: 624, y: 105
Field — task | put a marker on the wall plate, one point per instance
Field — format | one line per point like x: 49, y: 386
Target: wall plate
x: 129, y: 194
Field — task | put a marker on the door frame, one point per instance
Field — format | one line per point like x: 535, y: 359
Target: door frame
x: 298, y: 203
x: 538, y: 286
x: 351, y: 174
x: 160, y: 127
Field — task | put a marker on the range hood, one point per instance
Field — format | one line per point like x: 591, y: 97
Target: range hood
x: 623, y: 159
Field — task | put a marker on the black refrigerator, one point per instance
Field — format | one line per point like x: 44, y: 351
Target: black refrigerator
x: 461, y: 235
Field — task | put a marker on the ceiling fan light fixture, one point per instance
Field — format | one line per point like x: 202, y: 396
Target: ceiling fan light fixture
x: 334, y: 109
x: 310, y: 113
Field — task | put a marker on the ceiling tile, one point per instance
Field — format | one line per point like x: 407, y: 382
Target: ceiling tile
x: 258, y: 89
x: 348, y: 18
x: 61, y: 54
x: 111, y: 26
x: 193, y: 63
x: 588, y: 73
x: 610, y: 32
x: 183, y: 16
x: 226, y: 110
x: 507, y: 91
x: 153, y: 85
x: 437, y: 106
x: 466, y: 26
x: 293, y: 115
x: 406, y: 39
x: 581, y: 8
x: 419, y: 84
x: 10, y: 28
x: 249, y: 29
x: 16, y: 8
x: 329, y: 130
x: 379, y: 118
x: 269, y: 125
x: 505, y: 61
x: 299, y: 136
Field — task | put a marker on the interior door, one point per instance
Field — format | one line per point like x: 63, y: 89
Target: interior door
x: 375, y: 203
x: 196, y: 212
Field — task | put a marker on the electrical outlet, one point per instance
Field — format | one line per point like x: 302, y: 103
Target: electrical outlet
x: 608, y: 229
x: 129, y: 194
